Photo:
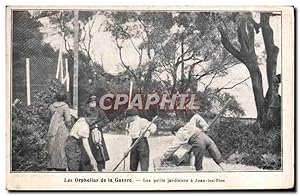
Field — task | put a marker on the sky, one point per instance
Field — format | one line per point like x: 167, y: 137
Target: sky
x: 104, y: 49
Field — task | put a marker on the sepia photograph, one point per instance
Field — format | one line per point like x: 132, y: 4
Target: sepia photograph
x: 161, y: 97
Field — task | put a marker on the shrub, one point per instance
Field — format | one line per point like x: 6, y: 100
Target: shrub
x: 237, y: 157
x: 115, y: 126
x: 271, y: 161
x: 239, y: 143
x: 166, y: 123
x: 29, y: 130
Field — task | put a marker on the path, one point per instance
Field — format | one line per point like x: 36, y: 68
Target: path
x: 118, y: 144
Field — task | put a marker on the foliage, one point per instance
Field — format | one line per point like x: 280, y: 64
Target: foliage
x: 29, y: 130
x: 91, y: 80
x: 271, y: 161
x: 166, y: 123
x: 94, y: 81
x: 237, y: 157
x: 239, y: 143
x: 212, y: 102
x: 173, y: 41
x: 28, y: 43
x: 26, y: 35
x: 116, y: 126
x: 62, y: 22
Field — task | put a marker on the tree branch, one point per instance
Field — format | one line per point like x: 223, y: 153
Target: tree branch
x: 178, y: 61
x: 140, y: 52
x: 62, y: 28
x: 231, y: 87
x: 250, y: 40
x: 228, y: 45
x: 242, y: 36
x: 206, y: 87
x: 210, y: 71
x: 147, y: 34
x: 90, y: 34
x: 165, y: 67
x: 121, y: 59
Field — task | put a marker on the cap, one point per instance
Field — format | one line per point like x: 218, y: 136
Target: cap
x: 131, y: 112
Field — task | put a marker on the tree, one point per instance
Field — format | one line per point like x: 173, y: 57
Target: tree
x: 167, y: 42
x: 28, y: 43
x: 245, y: 30
x: 272, y: 102
x: 62, y: 22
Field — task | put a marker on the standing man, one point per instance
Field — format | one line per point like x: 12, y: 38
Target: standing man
x: 193, y: 134
x: 140, y: 153
x: 96, y: 139
x: 79, y: 134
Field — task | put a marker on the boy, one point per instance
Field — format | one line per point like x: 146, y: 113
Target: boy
x: 73, y: 150
x: 96, y: 140
x: 140, y: 153
x: 193, y: 134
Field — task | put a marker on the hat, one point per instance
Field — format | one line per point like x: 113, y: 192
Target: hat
x: 131, y: 112
x: 92, y: 98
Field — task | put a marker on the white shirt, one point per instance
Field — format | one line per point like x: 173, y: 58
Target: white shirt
x: 196, y: 124
x: 80, y: 129
x: 139, y: 125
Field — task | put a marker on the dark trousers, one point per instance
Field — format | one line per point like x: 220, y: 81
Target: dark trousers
x: 140, y: 154
x: 200, y: 143
x: 73, y: 154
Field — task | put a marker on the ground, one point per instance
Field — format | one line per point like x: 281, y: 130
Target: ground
x: 118, y: 144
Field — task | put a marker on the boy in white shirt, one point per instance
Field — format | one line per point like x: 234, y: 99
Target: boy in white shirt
x: 79, y: 133
x: 140, y: 153
x: 193, y: 134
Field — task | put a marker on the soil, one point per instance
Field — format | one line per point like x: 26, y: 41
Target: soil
x: 118, y: 144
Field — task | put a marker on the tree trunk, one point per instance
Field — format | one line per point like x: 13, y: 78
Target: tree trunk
x: 76, y: 60
x: 267, y: 107
x: 256, y: 79
x: 182, y: 63
x: 246, y: 54
x: 174, y: 83
x: 148, y: 76
x: 272, y: 114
